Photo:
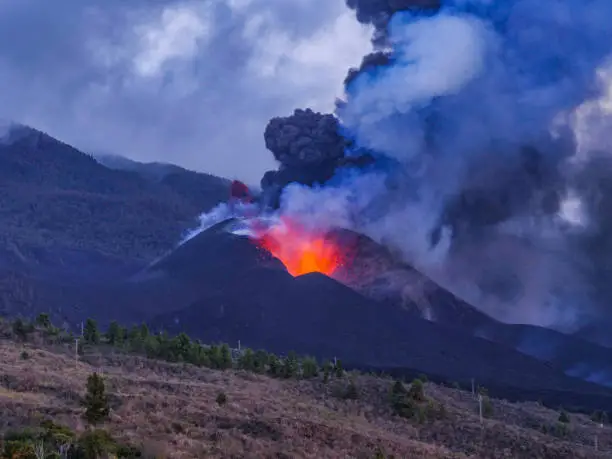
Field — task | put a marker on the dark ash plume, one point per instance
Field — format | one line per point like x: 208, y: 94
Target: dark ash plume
x: 310, y: 150
x: 304, y: 138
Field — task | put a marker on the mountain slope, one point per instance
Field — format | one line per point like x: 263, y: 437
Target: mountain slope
x: 54, y: 196
x: 196, y: 188
x: 67, y: 222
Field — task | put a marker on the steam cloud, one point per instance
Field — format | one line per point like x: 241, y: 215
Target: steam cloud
x: 487, y: 113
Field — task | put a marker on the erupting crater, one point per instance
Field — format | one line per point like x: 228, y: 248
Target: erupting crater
x: 301, y: 250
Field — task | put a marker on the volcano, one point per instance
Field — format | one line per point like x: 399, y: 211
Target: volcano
x: 234, y: 289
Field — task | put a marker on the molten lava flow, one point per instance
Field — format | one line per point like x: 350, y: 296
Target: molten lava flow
x: 301, y: 251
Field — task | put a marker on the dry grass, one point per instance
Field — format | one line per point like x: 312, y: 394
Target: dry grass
x: 170, y: 410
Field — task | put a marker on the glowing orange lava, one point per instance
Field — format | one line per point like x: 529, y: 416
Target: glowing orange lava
x: 301, y: 251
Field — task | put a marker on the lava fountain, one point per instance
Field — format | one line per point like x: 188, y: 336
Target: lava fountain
x: 302, y: 251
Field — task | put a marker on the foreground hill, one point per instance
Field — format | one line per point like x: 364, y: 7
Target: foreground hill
x: 174, y: 410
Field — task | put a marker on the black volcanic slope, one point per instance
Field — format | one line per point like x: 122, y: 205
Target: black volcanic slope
x: 377, y: 274
x: 245, y: 295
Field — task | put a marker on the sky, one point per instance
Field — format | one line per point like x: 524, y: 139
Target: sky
x: 188, y: 82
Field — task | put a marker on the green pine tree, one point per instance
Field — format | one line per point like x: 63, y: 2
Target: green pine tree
x: 181, y: 347
x: 310, y: 368
x: 114, y: 334
x: 260, y: 361
x: 327, y: 370
x: 247, y: 360
x: 91, y: 334
x: 134, y: 338
x: 144, y: 331
x: 275, y: 368
x: 214, y: 355
x: 96, y: 400
x: 291, y: 366
x: 226, y: 357
x: 338, y: 370
x: 43, y: 320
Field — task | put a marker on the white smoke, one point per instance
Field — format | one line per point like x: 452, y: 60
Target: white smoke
x: 434, y: 56
x: 223, y: 211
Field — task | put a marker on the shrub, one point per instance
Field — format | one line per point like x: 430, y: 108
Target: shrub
x: 21, y: 329
x: 221, y: 398
x: 417, y: 391
x: 274, y: 366
x: 487, y: 407
x: 561, y: 429
x: 564, y: 417
x: 95, y: 443
x: 43, y: 320
x: 351, y: 392
x: 338, y: 370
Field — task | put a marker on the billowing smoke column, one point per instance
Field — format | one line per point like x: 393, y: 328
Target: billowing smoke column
x: 477, y: 100
x: 488, y: 189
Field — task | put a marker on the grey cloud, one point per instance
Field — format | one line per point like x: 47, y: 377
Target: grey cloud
x: 190, y: 82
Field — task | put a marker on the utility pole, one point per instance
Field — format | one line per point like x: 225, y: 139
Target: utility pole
x: 597, y: 438
x: 82, y: 329
x: 480, y: 407
x: 238, y: 345
x: 76, y: 352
